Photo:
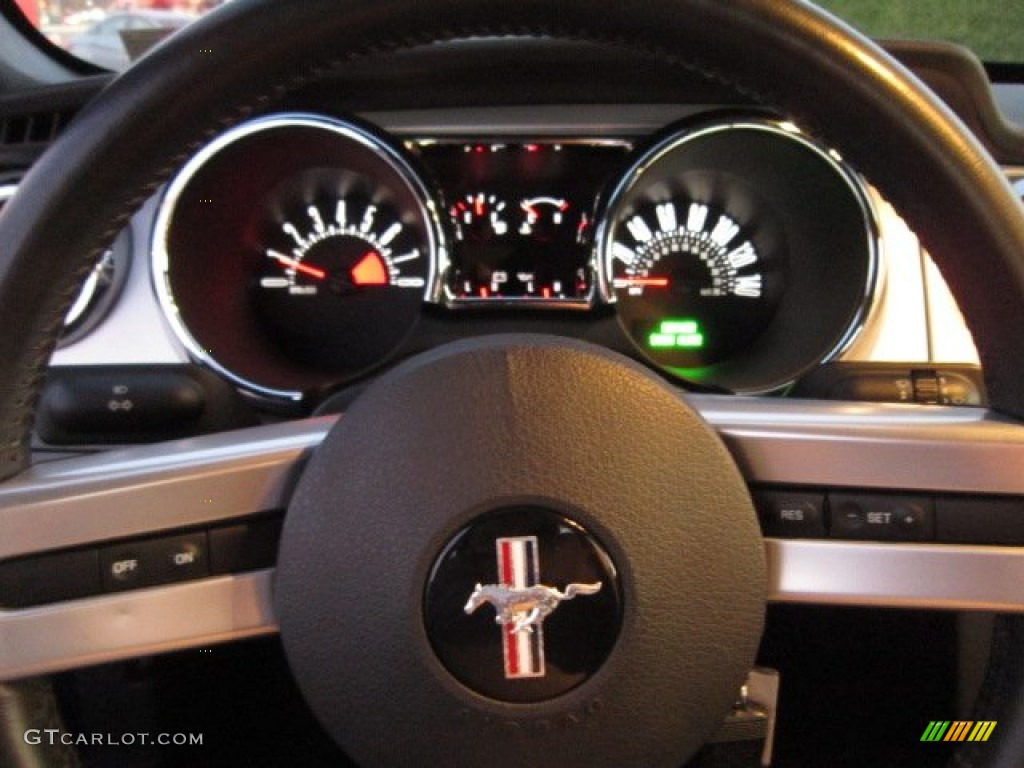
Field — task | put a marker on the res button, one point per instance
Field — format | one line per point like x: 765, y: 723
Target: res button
x: 791, y: 514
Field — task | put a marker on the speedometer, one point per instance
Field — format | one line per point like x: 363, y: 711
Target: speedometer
x: 693, y: 284
x: 724, y: 239
x: 295, y: 252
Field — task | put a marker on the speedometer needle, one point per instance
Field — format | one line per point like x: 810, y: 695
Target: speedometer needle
x: 640, y: 282
x: 298, y: 266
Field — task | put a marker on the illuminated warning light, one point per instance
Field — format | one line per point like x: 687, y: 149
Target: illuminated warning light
x: 532, y: 148
x: 959, y: 730
x: 677, y: 334
x: 370, y: 270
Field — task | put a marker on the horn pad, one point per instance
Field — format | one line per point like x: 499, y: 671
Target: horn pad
x: 547, y: 584
x: 517, y: 433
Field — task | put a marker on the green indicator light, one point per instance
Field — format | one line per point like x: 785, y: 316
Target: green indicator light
x: 677, y: 334
x: 690, y: 341
x: 679, y: 327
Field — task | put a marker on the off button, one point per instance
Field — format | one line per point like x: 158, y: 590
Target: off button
x: 150, y: 562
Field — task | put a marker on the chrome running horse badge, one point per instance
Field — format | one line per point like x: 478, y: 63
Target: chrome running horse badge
x: 522, y: 604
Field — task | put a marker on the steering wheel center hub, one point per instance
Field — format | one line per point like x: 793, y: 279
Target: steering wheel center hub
x: 505, y: 533
x: 523, y: 605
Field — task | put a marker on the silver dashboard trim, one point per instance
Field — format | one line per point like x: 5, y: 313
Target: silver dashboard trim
x: 119, y: 494
x: 113, y: 495
x: 202, y: 613
x: 934, y: 576
x: 201, y: 481
x: 133, y: 624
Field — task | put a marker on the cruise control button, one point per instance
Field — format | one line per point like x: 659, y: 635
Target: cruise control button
x: 980, y: 520
x: 245, y: 547
x: 881, y: 518
x: 791, y: 514
x: 49, y: 578
x: 154, y: 561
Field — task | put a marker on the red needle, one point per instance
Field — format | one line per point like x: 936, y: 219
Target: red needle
x: 298, y: 266
x: 646, y: 282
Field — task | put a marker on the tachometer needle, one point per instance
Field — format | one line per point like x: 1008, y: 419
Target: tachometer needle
x: 298, y: 266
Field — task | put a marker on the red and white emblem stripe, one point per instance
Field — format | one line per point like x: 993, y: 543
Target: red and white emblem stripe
x: 519, y: 568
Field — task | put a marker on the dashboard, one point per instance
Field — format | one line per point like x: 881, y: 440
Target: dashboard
x: 301, y: 252
x: 292, y: 257
x: 321, y: 242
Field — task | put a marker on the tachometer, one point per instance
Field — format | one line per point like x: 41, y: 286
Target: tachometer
x: 295, y: 252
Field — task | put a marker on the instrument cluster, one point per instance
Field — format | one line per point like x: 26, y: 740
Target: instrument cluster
x: 297, y: 253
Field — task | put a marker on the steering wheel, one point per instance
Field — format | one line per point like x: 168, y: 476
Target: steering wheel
x: 678, y: 575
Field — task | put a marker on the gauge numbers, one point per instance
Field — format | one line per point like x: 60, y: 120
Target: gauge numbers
x: 341, y: 256
x: 738, y: 253
x: 687, y: 278
x: 294, y: 253
x: 662, y: 257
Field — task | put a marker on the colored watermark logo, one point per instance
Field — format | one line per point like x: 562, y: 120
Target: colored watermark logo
x: 958, y: 730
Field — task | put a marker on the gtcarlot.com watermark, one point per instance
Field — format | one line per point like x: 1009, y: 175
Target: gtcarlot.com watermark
x: 55, y: 736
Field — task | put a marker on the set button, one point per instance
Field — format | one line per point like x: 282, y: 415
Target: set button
x: 878, y: 517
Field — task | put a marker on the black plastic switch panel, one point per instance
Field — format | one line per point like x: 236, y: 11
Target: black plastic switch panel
x: 49, y: 578
x: 877, y: 517
x: 116, y: 401
x: 791, y: 514
x: 154, y: 561
x: 246, y: 547
x: 120, y: 404
x: 952, y: 385
x: 980, y: 520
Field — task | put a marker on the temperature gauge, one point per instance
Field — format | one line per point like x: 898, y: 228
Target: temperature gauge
x: 522, y: 218
x: 530, y: 251
x: 480, y: 217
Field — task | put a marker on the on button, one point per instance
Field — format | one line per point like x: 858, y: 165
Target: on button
x: 150, y: 562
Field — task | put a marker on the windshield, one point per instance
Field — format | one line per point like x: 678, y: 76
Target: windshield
x: 993, y: 29
x: 113, y: 33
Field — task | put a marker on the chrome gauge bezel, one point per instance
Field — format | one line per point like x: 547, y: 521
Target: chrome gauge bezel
x: 161, y: 256
x: 647, y: 162
x: 101, y: 288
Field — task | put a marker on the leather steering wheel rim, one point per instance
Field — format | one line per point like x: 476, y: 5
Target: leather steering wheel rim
x: 827, y: 77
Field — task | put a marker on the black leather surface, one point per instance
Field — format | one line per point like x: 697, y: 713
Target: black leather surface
x: 1001, y: 700
x: 27, y: 710
x: 489, y: 424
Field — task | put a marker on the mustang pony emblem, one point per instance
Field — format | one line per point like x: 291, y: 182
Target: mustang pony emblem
x: 522, y: 603
x: 525, y: 608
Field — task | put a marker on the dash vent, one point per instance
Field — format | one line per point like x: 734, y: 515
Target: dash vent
x: 33, y: 128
